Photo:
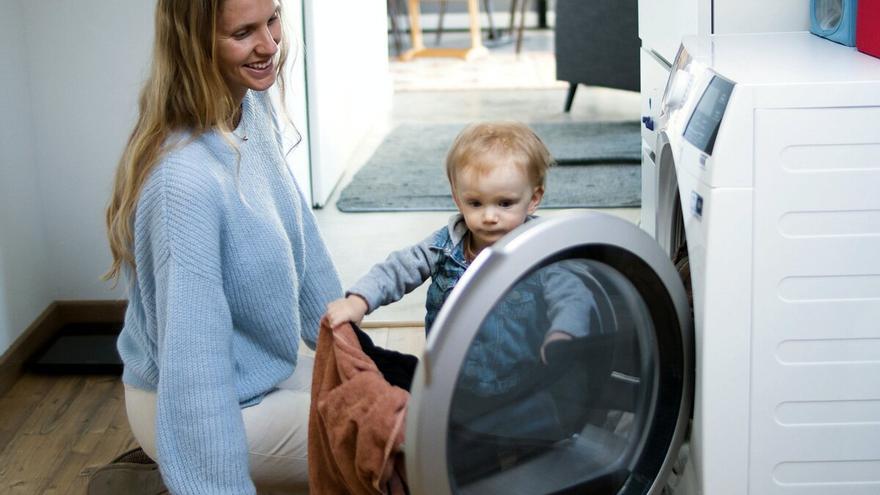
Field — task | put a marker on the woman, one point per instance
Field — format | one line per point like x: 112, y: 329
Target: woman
x: 225, y: 265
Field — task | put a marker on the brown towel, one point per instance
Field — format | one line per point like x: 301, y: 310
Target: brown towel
x: 356, y: 421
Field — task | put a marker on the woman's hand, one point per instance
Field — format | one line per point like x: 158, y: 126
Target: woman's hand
x: 351, y: 309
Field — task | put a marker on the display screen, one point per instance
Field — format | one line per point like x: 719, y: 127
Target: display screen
x: 702, y: 128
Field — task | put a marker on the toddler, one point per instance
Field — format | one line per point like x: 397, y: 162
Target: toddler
x: 496, y: 172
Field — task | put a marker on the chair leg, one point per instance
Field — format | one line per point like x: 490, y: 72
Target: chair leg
x: 522, y: 25
x: 440, y: 21
x: 542, y: 14
x: 572, y: 87
x: 512, y: 16
x: 404, y: 12
x: 487, y: 4
x: 395, y: 29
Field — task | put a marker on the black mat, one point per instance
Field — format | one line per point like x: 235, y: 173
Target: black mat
x: 598, y: 168
x: 80, y: 348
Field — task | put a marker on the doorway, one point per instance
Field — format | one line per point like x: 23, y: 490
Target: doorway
x: 502, y: 85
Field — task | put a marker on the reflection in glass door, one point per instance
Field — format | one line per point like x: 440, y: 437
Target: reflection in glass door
x: 555, y: 386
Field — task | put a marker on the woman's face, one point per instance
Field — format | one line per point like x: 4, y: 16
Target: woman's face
x: 248, y: 33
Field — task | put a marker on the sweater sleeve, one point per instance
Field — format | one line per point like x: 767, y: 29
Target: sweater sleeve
x: 200, y: 436
x: 319, y: 281
x: 400, y: 273
x: 570, y: 305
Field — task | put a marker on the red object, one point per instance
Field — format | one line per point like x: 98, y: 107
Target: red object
x: 356, y: 421
x: 868, y: 27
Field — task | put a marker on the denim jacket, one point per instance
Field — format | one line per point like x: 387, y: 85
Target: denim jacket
x: 507, y: 346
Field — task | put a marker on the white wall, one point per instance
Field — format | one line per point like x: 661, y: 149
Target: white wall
x: 349, y: 83
x: 295, y: 99
x: 761, y: 16
x: 86, y: 62
x: 68, y: 92
x: 24, y: 283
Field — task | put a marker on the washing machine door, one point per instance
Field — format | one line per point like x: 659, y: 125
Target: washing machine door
x: 560, y: 363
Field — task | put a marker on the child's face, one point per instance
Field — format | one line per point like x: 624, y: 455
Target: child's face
x: 494, y: 202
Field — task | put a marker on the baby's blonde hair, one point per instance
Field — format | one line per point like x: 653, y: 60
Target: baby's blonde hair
x: 485, y: 145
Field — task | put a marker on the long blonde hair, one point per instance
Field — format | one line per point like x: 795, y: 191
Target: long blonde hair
x: 185, y: 90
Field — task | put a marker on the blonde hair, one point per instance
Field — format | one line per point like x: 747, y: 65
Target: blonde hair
x: 185, y: 90
x: 487, y: 144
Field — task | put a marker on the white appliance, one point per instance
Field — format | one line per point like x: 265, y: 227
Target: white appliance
x: 767, y: 175
x: 662, y: 25
x: 767, y: 147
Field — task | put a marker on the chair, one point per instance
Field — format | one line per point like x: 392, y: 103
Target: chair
x: 597, y: 44
x: 493, y: 33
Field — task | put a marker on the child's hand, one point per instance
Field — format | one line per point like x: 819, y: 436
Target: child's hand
x: 554, y: 336
x: 351, y: 309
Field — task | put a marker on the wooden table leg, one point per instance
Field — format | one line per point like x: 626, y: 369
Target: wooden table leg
x: 474, y: 14
x: 418, y: 46
x: 415, y: 25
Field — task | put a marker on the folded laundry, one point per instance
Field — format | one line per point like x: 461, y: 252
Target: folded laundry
x: 356, y: 421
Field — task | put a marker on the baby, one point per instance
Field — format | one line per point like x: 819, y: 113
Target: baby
x: 502, y: 403
x: 496, y: 171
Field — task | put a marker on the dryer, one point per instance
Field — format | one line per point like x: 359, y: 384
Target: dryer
x: 766, y: 180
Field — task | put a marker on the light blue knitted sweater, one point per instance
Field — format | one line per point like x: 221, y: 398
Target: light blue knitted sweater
x: 231, y: 271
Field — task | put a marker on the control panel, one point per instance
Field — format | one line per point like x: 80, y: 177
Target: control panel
x: 702, y: 127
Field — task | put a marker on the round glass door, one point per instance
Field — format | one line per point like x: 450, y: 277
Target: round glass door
x: 559, y: 364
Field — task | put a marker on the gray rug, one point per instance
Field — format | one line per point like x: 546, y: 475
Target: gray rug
x: 598, y: 168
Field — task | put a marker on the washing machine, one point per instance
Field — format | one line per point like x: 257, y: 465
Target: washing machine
x: 768, y: 383
x: 606, y: 411
x: 765, y: 187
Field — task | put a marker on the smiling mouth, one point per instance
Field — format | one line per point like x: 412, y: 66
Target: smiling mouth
x: 259, y: 66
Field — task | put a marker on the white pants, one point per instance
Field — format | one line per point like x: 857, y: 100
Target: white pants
x: 276, y: 428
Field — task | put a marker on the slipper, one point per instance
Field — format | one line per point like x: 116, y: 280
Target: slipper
x: 131, y: 473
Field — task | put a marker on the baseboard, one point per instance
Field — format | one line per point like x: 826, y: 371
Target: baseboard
x: 46, y: 327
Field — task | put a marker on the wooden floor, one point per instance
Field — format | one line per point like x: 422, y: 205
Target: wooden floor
x: 56, y: 429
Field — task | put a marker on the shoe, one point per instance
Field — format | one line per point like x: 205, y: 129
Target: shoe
x: 132, y: 473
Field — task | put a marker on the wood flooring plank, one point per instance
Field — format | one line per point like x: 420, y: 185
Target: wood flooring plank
x: 43, y: 448
x: 87, y: 415
x: 72, y: 424
x: 46, y: 416
x: 115, y: 441
x: 100, y: 418
x: 34, y: 449
x: 18, y: 404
